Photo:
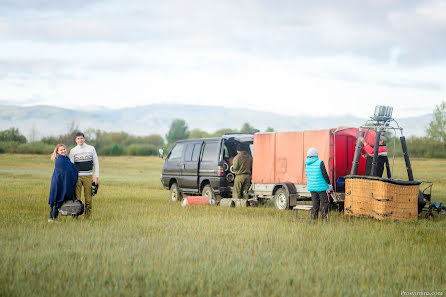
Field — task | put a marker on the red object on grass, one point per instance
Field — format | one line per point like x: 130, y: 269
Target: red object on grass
x: 195, y: 200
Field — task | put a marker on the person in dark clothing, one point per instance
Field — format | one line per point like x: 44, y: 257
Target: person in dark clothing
x: 242, y: 167
x: 318, y: 182
x: 368, y: 152
x: 63, y: 180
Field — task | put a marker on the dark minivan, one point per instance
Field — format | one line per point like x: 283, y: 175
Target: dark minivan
x: 202, y: 166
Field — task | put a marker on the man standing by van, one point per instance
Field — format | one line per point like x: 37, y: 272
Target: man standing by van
x: 318, y: 182
x: 85, y: 158
x: 242, y: 167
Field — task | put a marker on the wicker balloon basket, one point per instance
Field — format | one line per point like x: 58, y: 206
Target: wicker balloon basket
x: 383, y: 199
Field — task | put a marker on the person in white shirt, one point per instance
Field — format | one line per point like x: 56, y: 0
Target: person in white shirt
x: 85, y: 158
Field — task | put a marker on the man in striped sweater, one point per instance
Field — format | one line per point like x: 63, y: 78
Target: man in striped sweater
x: 85, y: 158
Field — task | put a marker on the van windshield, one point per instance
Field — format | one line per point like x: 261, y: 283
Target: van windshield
x: 177, y: 151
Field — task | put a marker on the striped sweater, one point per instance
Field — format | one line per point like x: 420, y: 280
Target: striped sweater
x: 85, y: 158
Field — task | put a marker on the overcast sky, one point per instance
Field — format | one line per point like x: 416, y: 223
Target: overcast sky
x: 292, y: 57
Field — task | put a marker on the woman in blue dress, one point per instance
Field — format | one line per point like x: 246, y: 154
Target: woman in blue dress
x: 63, y: 181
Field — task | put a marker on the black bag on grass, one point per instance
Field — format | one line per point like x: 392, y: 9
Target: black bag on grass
x: 72, y: 208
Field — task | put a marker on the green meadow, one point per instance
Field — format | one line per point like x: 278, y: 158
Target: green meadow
x: 139, y: 243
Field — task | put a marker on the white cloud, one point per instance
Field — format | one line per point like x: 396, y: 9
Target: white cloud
x: 433, y: 14
x: 331, y: 85
x: 290, y: 57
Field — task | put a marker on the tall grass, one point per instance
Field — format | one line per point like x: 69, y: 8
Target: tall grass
x: 138, y: 243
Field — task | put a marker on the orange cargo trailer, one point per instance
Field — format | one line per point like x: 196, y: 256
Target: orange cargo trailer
x: 279, y: 162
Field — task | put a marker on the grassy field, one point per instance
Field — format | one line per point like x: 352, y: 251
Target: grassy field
x: 139, y: 243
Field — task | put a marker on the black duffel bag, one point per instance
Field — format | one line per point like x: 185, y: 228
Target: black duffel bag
x: 72, y: 208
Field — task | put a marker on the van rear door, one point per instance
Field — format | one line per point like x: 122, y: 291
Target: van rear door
x: 189, y: 167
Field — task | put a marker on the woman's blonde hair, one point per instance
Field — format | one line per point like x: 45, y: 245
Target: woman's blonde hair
x: 54, y: 155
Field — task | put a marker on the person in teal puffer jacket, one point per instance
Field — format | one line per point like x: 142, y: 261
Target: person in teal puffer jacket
x: 318, y: 182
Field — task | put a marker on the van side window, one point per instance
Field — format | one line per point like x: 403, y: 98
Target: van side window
x: 210, y: 152
x: 177, y: 151
x: 188, y: 154
x: 196, y: 153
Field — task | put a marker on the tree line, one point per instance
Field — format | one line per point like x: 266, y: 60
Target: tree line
x: 179, y: 130
x: 110, y: 143
x: 433, y: 145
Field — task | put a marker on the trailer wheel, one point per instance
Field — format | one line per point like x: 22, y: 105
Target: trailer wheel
x: 175, y: 193
x: 281, y: 199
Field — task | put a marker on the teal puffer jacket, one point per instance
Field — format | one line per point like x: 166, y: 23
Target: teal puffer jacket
x: 315, y: 180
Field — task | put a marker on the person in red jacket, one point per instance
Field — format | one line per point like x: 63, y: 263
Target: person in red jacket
x: 368, y: 152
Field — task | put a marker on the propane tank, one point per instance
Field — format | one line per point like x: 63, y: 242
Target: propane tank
x: 375, y: 153
x: 406, y: 158
x: 357, y: 155
x: 195, y: 200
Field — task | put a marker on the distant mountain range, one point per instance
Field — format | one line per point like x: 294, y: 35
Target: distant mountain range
x: 44, y: 121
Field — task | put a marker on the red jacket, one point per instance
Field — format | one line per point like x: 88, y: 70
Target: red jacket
x: 369, y: 150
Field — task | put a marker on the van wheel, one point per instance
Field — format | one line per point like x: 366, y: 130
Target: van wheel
x: 281, y: 200
x: 175, y: 193
x: 209, y: 193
